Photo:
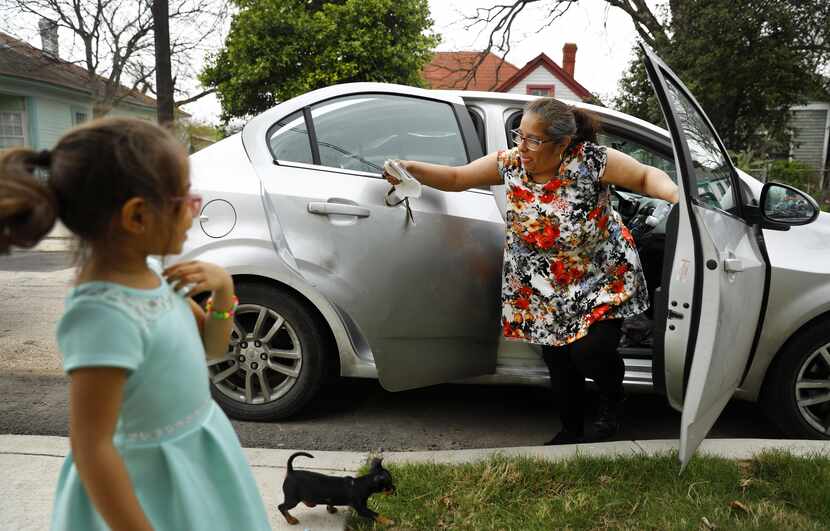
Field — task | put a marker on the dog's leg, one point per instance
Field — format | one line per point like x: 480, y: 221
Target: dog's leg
x: 363, y: 510
x: 331, y: 509
x: 283, y: 507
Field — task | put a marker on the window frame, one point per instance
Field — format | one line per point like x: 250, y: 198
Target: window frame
x: 24, y: 125
x: 735, y: 180
x: 541, y: 86
x: 75, y: 112
x: 464, y: 132
x: 276, y: 125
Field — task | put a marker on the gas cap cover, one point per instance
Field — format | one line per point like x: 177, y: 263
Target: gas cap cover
x: 218, y: 218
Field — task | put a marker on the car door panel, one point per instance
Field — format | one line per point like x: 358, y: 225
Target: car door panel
x: 424, y: 295
x: 717, y: 269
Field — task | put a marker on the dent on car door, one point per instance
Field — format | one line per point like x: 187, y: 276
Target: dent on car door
x: 714, y: 281
x: 423, y: 295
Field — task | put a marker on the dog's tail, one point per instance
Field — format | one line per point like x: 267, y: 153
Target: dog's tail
x: 296, y: 454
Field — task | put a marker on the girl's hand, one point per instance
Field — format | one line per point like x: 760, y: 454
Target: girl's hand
x: 203, y: 276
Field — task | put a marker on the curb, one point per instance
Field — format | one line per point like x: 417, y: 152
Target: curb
x: 50, y: 446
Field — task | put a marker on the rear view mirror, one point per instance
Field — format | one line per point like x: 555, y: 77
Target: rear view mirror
x: 783, y: 204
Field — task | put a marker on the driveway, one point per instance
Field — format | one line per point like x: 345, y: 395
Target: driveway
x: 354, y: 415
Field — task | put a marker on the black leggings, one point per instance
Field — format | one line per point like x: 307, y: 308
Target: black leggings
x: 594, y: 356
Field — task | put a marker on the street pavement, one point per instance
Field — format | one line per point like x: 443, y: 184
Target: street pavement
x: 34, y: 396
x: 31, y: 465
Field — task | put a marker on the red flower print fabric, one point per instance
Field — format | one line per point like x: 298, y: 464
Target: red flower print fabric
x: 568, y: 260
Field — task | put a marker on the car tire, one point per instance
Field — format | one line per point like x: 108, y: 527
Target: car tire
x: 804, y: 360
x: 288, y: 366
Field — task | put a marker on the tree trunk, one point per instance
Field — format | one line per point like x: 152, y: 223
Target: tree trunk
x: 164, y: 76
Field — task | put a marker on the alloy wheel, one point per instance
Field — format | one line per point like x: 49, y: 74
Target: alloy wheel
x: 812, y: 389
x: 264, y: 357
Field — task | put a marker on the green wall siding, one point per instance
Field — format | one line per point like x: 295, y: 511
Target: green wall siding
x: 50, y: 110
x: 54, y: 118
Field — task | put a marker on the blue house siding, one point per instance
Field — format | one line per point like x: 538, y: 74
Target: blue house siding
x: 31, y: 121
x: 54, y: 117
x: 51, y: 110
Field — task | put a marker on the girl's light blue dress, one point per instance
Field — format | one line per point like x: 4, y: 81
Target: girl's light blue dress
x: 181, y: 452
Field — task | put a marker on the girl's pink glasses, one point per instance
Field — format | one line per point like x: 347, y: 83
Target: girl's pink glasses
x: 193, y: 201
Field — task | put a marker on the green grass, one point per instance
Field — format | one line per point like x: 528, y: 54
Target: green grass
x: 773, y: 491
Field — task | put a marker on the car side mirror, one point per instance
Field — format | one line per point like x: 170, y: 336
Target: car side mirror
x: 782, y: 204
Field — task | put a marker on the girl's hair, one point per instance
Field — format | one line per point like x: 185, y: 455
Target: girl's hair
x: 86, y: 179
x: 563, y: 120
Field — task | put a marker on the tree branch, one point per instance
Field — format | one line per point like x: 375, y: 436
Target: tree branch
x: 194, y: 98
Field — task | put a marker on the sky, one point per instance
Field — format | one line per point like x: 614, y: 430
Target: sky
x: 604, y: 39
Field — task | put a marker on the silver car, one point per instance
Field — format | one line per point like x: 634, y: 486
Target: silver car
x: 334, y: 282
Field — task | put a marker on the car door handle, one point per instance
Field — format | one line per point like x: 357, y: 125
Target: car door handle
x: 733, y: 265
x: 325, y: 208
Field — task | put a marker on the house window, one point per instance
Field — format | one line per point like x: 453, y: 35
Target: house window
x: 541, y: 90
x: 12, y: 129
x: 78, y: 117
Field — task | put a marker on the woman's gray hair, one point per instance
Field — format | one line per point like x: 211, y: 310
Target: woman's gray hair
x: 563, y: 120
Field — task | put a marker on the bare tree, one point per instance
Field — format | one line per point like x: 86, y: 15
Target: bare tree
x: 117, y: 42
x: 652, y: 25
x: 500, y: 18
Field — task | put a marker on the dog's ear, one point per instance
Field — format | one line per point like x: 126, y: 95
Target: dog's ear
x: 376, y: 463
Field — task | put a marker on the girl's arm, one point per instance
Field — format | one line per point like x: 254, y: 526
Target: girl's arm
x: 627, y: 172
x: 480, y: 172
x: 215, y: 333
x: 95, y: 395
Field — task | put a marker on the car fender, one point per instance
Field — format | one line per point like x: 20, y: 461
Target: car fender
x: 237, y: 256
x: 799, y: 292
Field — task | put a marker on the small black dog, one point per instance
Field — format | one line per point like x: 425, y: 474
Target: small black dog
x: 312, y: 488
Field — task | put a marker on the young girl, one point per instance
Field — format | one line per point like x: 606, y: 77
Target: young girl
x: 149, y: 447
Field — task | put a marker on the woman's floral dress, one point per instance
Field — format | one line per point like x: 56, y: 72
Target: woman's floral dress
x: 568, y: 261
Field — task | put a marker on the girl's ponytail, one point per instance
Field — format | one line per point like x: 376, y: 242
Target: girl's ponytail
x: 28, y: 205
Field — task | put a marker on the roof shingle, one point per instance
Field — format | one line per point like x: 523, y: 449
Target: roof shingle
x: 448, y: 70
x: 20, y: 59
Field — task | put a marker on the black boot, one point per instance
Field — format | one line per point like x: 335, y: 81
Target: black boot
x: 609, y: 415
x: 566, y: 437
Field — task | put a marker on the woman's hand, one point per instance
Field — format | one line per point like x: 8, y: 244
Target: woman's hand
x: 392, y: 180
x: 203, y: 276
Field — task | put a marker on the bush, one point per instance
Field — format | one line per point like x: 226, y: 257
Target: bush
x: 793, y: 172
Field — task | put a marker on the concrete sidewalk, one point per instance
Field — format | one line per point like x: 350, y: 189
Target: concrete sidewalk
x: 30, y: 466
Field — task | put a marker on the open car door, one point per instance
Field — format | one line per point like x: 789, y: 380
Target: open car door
x: 710, y: 303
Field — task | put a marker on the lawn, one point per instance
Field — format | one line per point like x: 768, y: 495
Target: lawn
x: 771, y: 491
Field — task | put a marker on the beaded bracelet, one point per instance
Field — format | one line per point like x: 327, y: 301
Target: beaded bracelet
x: 215, y: 314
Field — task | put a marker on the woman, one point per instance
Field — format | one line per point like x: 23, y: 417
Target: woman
x: 571, y: 270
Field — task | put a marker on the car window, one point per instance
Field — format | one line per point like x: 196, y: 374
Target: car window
x: 641, y: 152
x: 712, y: 170
x: 511, y: 123
x: 478, y: 124
x: 361, y: 132
x: 289, y: 141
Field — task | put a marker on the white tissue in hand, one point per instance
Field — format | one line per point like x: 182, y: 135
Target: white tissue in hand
x: 409, y: 185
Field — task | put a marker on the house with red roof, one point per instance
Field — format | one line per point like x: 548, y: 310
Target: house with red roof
x: 541, y: 76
